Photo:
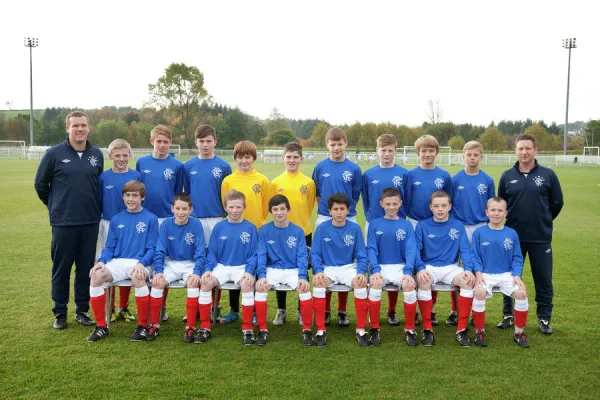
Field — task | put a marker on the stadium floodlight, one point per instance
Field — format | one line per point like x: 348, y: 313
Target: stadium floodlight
x: 31, y: 43
x: 568, y: 44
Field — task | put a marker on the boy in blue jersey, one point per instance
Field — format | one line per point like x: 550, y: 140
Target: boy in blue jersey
x: 338, y: 256
x: 385, y: 175
x: 471, y: 189
x: 180, y: 253
x: 128, y: 254
x: 231, y: 258
x: 440, y: 240
x: 110, y: 184
x: 163, y: 176
x: 421, y: 182
x: 498, y: 262
x: 282, y: 259
x: 336, y: 174
x: 392, y: 250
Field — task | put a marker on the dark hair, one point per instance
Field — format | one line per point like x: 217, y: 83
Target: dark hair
x: 526, y: 137
x: 439, y: 194
x: 134, y: 186
x: 75, y: 114
x: 339, y: 198
x: 292, y: 146
x: 390, y: 192
x: 277, y: 200
x: 182, y: 196
x: 203, y: 131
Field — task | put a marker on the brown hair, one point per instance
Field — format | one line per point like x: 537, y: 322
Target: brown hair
x: 387, y: 139
x: 438, y: 194
x: 234, y: 195
x: 182, y: 196
x: 336, y: 133
x: 292, y: 146
x: 243, y: 148
x: 526, y: 137
x: 473, y: 144
x: 203, y: 131
x: 134, y: 186
x: 390, y: 192
x: 496, y: 200
x: 427, y: 141
x: 75, y: 114
x: 161, y: 130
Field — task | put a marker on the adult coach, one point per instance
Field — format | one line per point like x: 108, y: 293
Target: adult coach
x: 534, y: 200
x: 67, y: 182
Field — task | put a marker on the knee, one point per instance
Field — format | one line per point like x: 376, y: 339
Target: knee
x: 480, y: 294
x: 358, y: 285
x: 520, y: 294
x: 376, y: 284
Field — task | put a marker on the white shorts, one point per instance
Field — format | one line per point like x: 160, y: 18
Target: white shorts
x: 208, y: 224
x: 366, y: 232
x: 278, y: 276
x: 392, y: 273
x: 323, y: 218
x: 471, y: 228
x: 226, y: 274
x: 503, y: 281
x: 102, y: 237
x: 342, y: 274
x: 445, y: 274
x: 121, y: 268
x: 414, y: 222
x: 176, y: 270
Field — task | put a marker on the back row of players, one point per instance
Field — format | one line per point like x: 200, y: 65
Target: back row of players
x: 443, y: 215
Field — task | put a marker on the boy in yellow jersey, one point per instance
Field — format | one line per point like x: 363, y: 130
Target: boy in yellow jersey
x: 257, y: 189
x: 301, y: 193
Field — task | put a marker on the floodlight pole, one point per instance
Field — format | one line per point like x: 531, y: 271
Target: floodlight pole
x: 31, y: 43
x: 568, y: 44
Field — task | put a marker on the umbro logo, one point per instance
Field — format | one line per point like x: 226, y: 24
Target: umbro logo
x: 431, y: 236
x: 375, y: 182
x: 121, y: 226
x: 460, y: 187
x: 223, y: 238
x: 485, y: 243
x: 417, y: 183
x: 171, y: 238
x: 379, y: 233
x: 515, y: 181
x: 146, y: 171
x: 193, y: 172
x: 66, y: 161
x: 108, y: 187
x: 327, y: 239
x: 548, y: 251
x: 271, y: 241
x: 326, y: 175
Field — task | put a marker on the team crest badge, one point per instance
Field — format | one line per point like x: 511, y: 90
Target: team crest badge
x: 189, y: 238
x: 349, y: 240
x: 303, y: 190
x: 256, y: 188
x: 400, y: 234
x: 291, y: 242
x: 397, y: 181
x: 217, y: 172
x: 507, y: 244
x: 245, y: 237
x: 168, y: 174
x: 539, y: 181
x: 140, y: 227
x: 453, y: 234
x: 347, y: 176
x: 481, y: 189
x: 93, y: 161
x: 439, y: 183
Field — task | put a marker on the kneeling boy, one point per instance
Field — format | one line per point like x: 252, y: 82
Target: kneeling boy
x: 180, y: 253
x: 498, y: 262
x: 338, y: 256
x: 128, y: 254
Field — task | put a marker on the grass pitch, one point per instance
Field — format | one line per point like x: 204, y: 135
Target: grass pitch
x: 38, y: 362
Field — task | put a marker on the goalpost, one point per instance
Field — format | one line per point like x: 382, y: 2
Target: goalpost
x: 591, y: 155
x: 409, y: 156
x: 175, y: 149
x: 13, y: 149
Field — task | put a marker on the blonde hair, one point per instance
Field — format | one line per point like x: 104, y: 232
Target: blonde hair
x: 119, y: 144
x: 161, y: 130
x: 427, y: 141
x: 473, y: 144
x: 336, y: 133
x: 387, y: 139
x: 234, y: 195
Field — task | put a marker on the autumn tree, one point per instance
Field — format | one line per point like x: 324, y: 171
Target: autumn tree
x: 318, y: 136
x: 456, y: 142
x: 492, y: 140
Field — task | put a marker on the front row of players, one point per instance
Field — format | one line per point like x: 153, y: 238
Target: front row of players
x: 278, y: 256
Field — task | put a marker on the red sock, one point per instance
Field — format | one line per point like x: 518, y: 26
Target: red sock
x: 521, y: 318
x: 392, y: 301
x: 433, y: 298
x: 479, y: 319
x: 319, y: 310
x: 261, y: 314
x: 464, y: 309
x: 410, y: 312
x: 361, y: 312
x: 112, y: 289
x: 124, y: 292
x: 425, y: 306
x: 375, y: 310
x: 204, y: 315
x: 343, y: 302
x: 143, y: 305
x: 454, y: 302
x: 191, y: 308
x: 247, y: 312
x: 99, y: 308
x: 155, y: 306
x: 306, y: 310
x: 165, y: 294
x: 328, y: 301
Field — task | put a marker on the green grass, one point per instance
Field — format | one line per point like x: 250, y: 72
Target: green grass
x: 38, y: 362
x: 37, y: 114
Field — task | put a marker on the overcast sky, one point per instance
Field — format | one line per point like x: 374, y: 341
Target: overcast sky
x: 342, y: 61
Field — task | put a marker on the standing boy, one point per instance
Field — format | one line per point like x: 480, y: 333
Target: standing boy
x: 498, y: 262
x: 282, y: 260
x: 110, y: 186
x: 300, y: 191
x: 337, y: 174
x: 392, y: 251
x: 128, y: 254
x: 338, y: 256
x: 385, y: 175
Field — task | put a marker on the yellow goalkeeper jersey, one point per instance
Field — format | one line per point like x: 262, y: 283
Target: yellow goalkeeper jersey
x: 301, y: 192
x: 256, y: 188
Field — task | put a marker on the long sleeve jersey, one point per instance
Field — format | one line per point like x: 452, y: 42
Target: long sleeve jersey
x: 375, y: 180
x: 301, y: 192
x: 391, y: 242
x: 470, y: 194
x: 282, y: 248
x: 439, y: 244
x: 67, y: 182
x: 232, y: 245
x: 110, y: 188
x: 180, y: 243
x: 497, y: 251
x: 132, y: 235
x: 202, y: 179
x: 334, y: 246
x: 534, y: 200
x: 337, y: 177
x: 163, y: 179
x: 420, y: 184
x: 256, y: 188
